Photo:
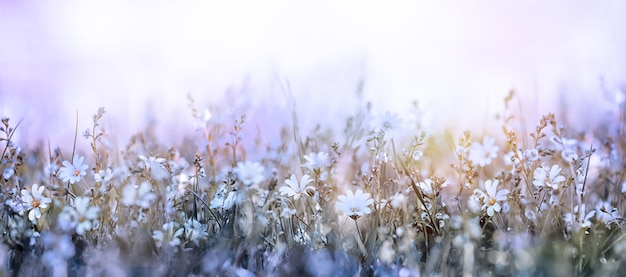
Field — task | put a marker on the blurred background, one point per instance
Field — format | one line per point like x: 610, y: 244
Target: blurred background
x: 140, y: 60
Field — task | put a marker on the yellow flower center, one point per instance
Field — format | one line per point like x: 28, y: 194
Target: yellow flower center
x: 492, y: 201
x: 82, y: 219
x: 35, y: 203
x: 77, y: 172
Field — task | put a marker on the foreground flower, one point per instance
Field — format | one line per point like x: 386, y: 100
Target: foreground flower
x: 73, y: 172
x: 250, y: 173
x: 34, y: 202
x: 316, y: 160
x: 550, y: 179
x: 295, y: 189
x: 79, y: 216
x: 355, y: 204
x: 169, y: 235
x: 483, y: 154
x: 491, y: 197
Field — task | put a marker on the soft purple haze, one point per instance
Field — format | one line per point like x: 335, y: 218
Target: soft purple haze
x: 139, y: 59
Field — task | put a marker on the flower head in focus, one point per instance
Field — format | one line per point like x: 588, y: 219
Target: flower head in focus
x: 73, y: 172
x: 491, y: 197
x: 34, y: 202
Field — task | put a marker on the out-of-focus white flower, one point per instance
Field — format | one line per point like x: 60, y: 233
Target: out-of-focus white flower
x: 417, y: 155
x: 483, y: 154
x: 316, y: 160
x: 386, y: 253
x: 195, y: 231
x: 168, y: 235
x: 34, y: 202
x: 59, y: 249
x: 250, y: 173
x: 73, y: 172
x: 569, y: 155
x: 531, y: 155
x: 605, y: 212
x: 103, y: 176
x: 355, y: 204
x: 78, y: 216
x: 8, y: 172
x: 224, y: 199
x: 550, y: 179
x: 574, y: 220
x: 140, y: 195
x: 474, y: 204
x: 491, y: 197
x: 295, y: 189
x: 398, y: 200
x: 155, y: 166
x: 389, y: 123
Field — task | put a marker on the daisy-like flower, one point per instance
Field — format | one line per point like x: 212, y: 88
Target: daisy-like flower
x: 295, y: 189
x: 78, y: 216
x: 73, y: 172
x: 388, y: 123
x: 140, y: 195
x: 250, y: 173
x: 170, y: 234
x: 491, y: 197
x: 355, y: 204
x: 316, y: 160
x: 550, y: 179
x: 483, y: 154
x: 34, y: 202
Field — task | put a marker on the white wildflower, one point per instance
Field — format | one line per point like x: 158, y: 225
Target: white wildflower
x: 34, y: 202
x: 295, y: 189
x: 75, y: 171
x: 483, y: 154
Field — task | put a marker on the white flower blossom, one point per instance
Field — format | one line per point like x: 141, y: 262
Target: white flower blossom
x: 316, y: 160
x: 355, y: 204
x: 79, y: 216
x: 75, y: 171
x: 491, y: 197
x: 34, y: 202
x: 295, y: 189
x: 550, y: 179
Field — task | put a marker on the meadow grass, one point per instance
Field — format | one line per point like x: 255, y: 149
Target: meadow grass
x: 373, y: 198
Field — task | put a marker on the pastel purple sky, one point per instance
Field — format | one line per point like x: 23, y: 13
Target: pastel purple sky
x: 459, y: 59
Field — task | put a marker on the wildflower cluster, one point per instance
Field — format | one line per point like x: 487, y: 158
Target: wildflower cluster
x: 378, y: 198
